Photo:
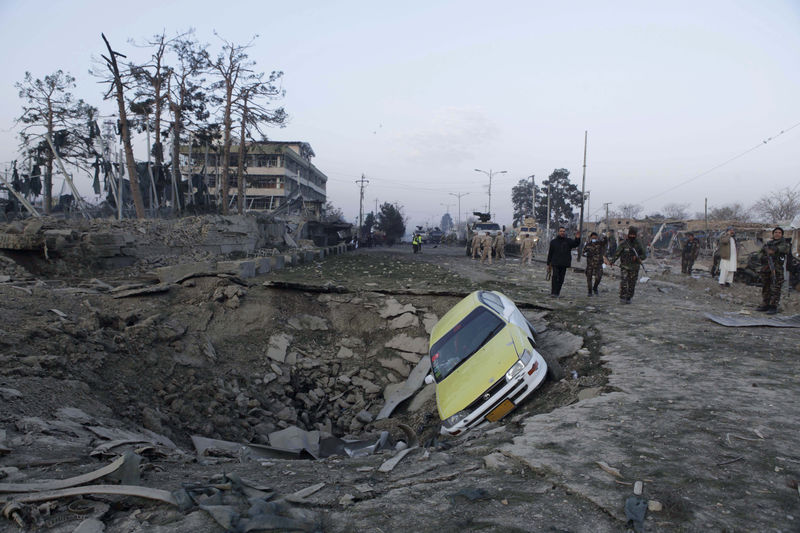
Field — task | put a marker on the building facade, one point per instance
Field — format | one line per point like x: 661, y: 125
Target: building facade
x: 277, y: 173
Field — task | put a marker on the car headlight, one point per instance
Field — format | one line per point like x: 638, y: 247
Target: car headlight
x: 455, y: 419
x: 515, y: 370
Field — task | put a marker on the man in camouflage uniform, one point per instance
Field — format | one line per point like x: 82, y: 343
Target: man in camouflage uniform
x: 594, y: 251
x: 486, y: 246
x: 499, y: 245
x: 772, y: 256
x: 526, y: 250
x: 630, y: 253
x: 476, y: 244
x: 689, y: 253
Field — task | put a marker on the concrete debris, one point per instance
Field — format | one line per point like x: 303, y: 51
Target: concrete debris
x: 392, y: 308
x: 406, y: 320
x: 558, y: 344
x: 308, y: 322
x: 390, y: 464
x: 410, y: 387
x: 396, y: 364
x: 422, y: 397
x: 406, y: 343
x: 278, y: 345
x: 591, y: 392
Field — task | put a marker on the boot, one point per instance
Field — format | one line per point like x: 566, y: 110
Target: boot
x: 763, y: 307
x: 595, y: 292
x: 773, y: 310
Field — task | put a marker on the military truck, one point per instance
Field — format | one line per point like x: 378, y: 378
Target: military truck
x: 482, y: 225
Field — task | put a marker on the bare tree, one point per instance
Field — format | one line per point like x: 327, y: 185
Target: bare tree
x: 253, y: 113
x: 676, y: 211
x: 187, y: 100
x: 778, y: 205
x: 117, y: 87
x: 231, y: 66
x: 52, y: 111
x: 151, y: 80
x: 734, y: 212
x: 629, y: 210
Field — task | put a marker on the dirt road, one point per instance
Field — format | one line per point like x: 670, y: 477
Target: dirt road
x: 703, y: 415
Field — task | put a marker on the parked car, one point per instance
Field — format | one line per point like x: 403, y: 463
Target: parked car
x: 484, y: 362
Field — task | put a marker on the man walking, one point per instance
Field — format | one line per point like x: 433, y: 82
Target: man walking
x: 594, y: 251
x: 526, y: 249
x: 486, y: 246
x: 773, y: 256
x: 727, y: 258
x: 500, y: 245
x: 630, y: 253
x: 559, y: 258
x: 476, y: 244
x: 689, y: 253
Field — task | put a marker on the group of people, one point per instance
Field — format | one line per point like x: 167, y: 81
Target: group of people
x: 629, y: 252
x: 483, y: 244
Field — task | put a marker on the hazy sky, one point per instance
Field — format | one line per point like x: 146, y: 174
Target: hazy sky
x: 417, y: 94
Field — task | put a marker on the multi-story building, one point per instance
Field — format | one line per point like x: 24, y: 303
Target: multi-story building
x: 276, y: 173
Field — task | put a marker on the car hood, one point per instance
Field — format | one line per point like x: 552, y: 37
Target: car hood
x: 476, y: 374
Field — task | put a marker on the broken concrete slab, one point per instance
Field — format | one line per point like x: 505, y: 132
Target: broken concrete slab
x: 151, y: 289
x: 293, y: 439
x: 406, y: 320
x: 735, y: 320
x: 244, y: 269
x: 428, y: 321
x: 278, y: 345
x: 368, y: 386
x: 406, y: 343
x: 412, y: 384
x: 558, y: 344
x: 308, y: 322
x: 392, y: 308
x: 591, y: 392
x: 184, y: 271
x: 262, y: 266
x: 389, y: 465
x: 395, y: 364
x: 422, y: 397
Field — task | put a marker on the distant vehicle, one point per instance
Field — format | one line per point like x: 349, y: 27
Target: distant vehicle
x: 528, y: 228
x: 481, y: 227
x: 433, y: 236
x: 483, y: 361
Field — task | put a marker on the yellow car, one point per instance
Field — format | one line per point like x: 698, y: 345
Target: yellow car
x: 483, y: 361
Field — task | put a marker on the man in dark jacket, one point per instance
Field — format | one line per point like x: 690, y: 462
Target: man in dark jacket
x: 689, y: 253
x: 559, y: 258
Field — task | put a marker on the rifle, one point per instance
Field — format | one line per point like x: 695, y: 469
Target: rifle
x: 638, y: 259
x: 549, y: 273
x: 771, y: 263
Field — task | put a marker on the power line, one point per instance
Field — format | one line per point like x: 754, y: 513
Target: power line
x: 734, y: 158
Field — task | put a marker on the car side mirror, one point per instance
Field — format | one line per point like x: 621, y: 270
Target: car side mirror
x: 429, y: 379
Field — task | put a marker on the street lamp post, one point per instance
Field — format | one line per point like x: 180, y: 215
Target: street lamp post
x: 458, y: 195
x: 490, y: 174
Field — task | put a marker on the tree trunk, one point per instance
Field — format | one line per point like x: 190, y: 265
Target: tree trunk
x: 226, y: 149
x: 130, y: 162
x: 240, y: 173
x: 176, y: 167
x: 48, y: 175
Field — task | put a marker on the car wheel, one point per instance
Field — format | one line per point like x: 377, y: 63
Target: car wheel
x: 554, y: 370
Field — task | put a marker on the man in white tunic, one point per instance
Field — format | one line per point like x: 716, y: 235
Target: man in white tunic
x: 727, y: 258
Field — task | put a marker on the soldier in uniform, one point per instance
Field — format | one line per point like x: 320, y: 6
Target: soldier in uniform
x: 500, y: 246
x: 689, y: 253
x: 486, y: 245
x: 630, y: 253
x: 526, y: 249
x: 772, y: 255
x: 594, y: 251
x: 476, y: 244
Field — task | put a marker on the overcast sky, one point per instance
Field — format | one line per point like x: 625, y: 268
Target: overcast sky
x: 417, y: 94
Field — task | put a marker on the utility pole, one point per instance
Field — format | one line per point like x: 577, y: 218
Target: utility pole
x: 548, y: 209
x: 490, y: 174
x: 458, y: 195
x: 583, y: 189
x: 608, y: 227
x: 362, y: 183
x: 705, y: 210
x: 533, y: 198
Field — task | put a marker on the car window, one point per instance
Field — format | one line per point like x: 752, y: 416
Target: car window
x: 492, y: 300
x: 466, y: 338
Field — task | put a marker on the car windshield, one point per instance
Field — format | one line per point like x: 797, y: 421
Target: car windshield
x: 486, y: 227
x: 466, y: 338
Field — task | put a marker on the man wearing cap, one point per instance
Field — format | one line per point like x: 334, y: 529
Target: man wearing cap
x: 727, y: 258
x: 630, y: 253
x: 772, y: 256
x: 689, y: 253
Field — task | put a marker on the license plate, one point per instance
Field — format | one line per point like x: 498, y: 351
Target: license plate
x: 500, y: 411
